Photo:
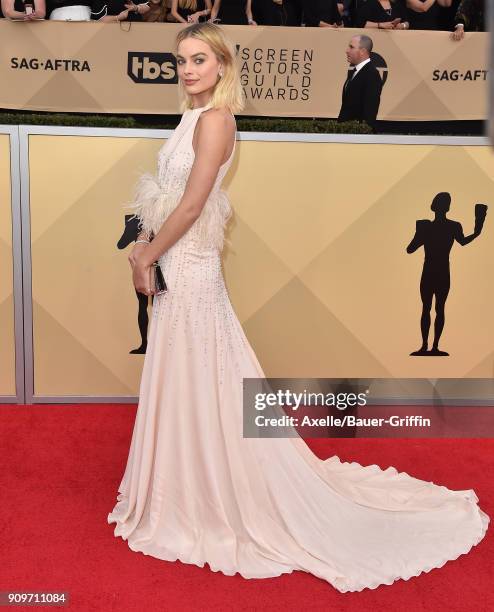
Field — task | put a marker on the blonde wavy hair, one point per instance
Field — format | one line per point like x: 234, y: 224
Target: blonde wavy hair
x: 188, y: 4
x: 228, y: 91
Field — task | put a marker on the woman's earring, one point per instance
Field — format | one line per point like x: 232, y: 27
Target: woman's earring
x: 220, y: 73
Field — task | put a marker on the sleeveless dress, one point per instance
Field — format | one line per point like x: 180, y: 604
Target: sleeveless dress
x: 195, y: 490
x: 232, y: 12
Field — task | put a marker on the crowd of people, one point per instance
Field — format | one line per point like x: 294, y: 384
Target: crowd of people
x: 457, y: 16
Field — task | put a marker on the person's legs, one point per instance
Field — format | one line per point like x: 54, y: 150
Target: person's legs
x: 441, y: 297
x: 426, y: 294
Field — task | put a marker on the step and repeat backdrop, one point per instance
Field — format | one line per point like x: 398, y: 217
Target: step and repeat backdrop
x: 7, y: 338
x: 290, y: 72
x: 318, y: 269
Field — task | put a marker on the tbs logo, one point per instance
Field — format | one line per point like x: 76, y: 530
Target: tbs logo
x: 158, y: 68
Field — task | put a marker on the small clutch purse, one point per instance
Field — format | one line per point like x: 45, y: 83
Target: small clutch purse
x: 159, y: 280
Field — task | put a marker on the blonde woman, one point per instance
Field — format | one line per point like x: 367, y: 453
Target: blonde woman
x: 194, y: 489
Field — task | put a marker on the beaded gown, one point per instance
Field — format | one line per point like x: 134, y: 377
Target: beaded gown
x: 195, y: 490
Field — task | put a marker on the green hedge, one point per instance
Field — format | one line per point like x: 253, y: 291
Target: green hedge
x: 244, y: 124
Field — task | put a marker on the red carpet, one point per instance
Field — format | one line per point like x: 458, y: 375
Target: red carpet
x: 61, y: 466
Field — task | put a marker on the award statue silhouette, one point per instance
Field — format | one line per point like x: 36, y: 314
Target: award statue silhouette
x: 437, y: 237
x: 129, y: 235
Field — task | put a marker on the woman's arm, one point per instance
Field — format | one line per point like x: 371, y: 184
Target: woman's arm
x: 142, y: 241
x: 195, y: 17
x: 421, y: 7
x: 143, y: 8
x: 144, y: 236
x: 214, y: 137
x: 248, y: 12
x: 209, y: 7
x: 9, y: 12
x: 123, y: 16
x: 39, y: 10
x: 139, y: 9
x: 216, y: 9
x: 175, y: 12
x: 461, y: 20
x: 466, y: 14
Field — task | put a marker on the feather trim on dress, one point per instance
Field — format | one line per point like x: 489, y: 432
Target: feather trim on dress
x: 209, y: 229
x: 152, y: 205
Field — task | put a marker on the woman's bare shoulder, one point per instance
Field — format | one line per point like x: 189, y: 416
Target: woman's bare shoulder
x: 221, y: 110
x: 219, y: 118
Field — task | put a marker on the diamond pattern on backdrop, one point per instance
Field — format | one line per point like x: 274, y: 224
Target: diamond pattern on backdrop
x: 317, y: 269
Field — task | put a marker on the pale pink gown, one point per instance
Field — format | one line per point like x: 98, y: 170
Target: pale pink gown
x: 195, y: 490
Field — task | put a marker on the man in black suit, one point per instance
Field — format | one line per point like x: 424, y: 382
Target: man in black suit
x: 362, y: 89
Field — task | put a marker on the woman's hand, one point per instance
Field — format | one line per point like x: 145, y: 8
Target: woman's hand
x: 31, y: 16
x: 123, y: 16
x: 459, y: 32
x: 142, y: 278
x: 136, y: 253
x: 194, y: 17
x: 141, y: 270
